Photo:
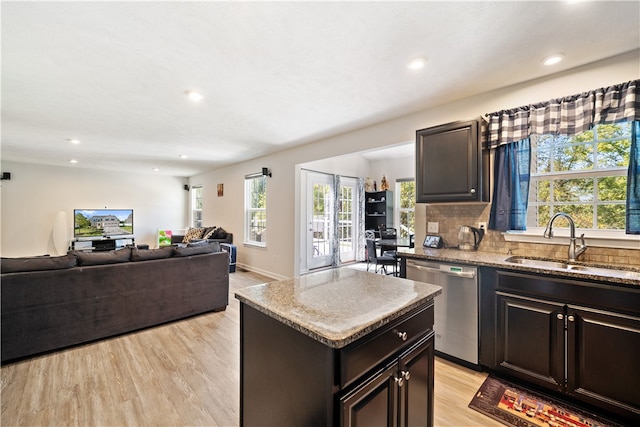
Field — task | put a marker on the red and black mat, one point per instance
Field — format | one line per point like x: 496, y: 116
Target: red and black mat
x: 514, y: 405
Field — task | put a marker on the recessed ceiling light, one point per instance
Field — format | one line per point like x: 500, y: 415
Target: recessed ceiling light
x: 194, y: 96
x: 417, y: 63
x: 73, y: 161
x: 183, y: 156
x: 553, y: 59
x: 74, y: 141
x: 156, y: 169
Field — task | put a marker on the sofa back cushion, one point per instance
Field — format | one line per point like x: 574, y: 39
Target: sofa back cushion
x: 149, y: 254
x: 13, y: 265
x: 107, y: 257
x: 196, y: 250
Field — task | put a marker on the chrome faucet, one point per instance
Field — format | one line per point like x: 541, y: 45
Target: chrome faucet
x: 574, y: 252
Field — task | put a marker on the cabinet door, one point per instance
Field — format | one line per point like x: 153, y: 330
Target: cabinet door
x: 449, y: 163
x: 416, y: 397
x: 374, y: 403
x: 530, y: 341
x: 603, y: 351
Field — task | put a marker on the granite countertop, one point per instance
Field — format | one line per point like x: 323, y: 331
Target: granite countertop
x: 338, y: 306
x: 617, y: 274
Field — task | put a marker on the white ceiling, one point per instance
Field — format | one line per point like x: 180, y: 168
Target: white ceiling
x: 274, y: 74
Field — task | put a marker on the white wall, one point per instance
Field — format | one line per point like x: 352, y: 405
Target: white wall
x: 36, y: 193
x: 278, y: 258
x: 392, y: 169
x: 31, y: 199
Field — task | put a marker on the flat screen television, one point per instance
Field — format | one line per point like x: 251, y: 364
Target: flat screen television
x: 92, y: 223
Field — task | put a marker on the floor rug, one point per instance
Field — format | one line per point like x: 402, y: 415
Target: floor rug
x: 514, y: 405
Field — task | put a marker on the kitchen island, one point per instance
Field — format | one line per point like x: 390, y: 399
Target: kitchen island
x: 340, y: 347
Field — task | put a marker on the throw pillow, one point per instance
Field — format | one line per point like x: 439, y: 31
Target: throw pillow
x: 194, y: 250
x: 101, y: 258
x: 220, y: 233
x: 149, y: 254
x: 208, y: 232
x: 13, y: 265
x: 192, y: 233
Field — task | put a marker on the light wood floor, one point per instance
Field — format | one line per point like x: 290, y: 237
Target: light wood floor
x: 183, y: 373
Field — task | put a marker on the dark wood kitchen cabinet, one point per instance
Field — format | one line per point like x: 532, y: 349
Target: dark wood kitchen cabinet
x: 398, y: 393
x: 579, y: 338
x: 384, y: 378
x: 451, y: 165
x: 531, y: 339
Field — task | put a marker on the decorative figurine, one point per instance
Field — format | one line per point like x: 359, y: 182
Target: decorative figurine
x: 368, y: 185
x: 384, y: 185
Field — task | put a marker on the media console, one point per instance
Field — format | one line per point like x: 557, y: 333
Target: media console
x: 104, y: 244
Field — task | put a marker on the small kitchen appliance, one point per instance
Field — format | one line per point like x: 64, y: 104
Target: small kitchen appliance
x: 469, y: 238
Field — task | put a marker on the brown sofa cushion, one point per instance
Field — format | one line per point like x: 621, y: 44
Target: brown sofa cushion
x: 195, y: 250
x: 13, y: 265
x: 107, y: 257
x: 149, y: 254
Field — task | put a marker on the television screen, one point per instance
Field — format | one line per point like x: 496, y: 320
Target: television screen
x: 102, y: 222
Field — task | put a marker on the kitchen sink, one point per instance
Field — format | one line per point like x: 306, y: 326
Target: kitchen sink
x: 541, y: 263
x: 532, y: 262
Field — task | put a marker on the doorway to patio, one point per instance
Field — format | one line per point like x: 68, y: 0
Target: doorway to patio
x: 331, y: 219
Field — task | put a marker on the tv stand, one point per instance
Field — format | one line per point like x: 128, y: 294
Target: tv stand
x: 102, y: 244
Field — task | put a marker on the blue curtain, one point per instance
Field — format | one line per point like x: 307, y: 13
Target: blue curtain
x: 633, y: 182
x: 511, y: 186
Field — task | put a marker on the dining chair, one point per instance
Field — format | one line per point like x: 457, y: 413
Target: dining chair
x: 380, y: 262
x: 388, y: 234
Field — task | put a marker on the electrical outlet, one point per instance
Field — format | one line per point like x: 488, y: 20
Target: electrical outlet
x: 432, y: 227
x: 482, y: 225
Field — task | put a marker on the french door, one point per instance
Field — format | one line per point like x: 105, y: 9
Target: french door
x: 348, y: 218
x: 331, y: 219
x: 320, y: 220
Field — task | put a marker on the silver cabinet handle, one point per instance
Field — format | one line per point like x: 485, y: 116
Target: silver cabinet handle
x: 406, y: 375
x: 570, y: 318
x: 560, y: 316
x: 399, y: 381
x: 472, y: 191
x: 402, y: 335
x: 465, y: 274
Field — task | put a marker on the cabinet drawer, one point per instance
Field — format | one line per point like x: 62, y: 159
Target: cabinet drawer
x: 367, y: 353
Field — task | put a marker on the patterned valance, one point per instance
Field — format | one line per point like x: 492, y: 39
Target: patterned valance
x: 566, y: 116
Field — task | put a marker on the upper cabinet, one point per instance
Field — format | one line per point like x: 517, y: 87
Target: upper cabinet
x: 451, y: 165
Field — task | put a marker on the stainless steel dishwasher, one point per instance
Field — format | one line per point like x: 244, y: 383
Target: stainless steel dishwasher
x: 456, y: 308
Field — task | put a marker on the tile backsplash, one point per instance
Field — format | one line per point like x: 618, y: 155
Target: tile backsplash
x: 451, y: 216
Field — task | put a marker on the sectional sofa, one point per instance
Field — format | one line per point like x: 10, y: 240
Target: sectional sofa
x: 49, y: 303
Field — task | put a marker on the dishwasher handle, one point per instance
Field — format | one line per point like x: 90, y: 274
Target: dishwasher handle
x: 465, y: 274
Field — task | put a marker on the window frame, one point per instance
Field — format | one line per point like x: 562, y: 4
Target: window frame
x: 397, y: 205
x: 249, y: 210
x: 197, y: 194
x: 614, y: 238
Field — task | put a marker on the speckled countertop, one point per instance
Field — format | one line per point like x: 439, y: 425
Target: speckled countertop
x: 338, y: 306
x: 622, y: 274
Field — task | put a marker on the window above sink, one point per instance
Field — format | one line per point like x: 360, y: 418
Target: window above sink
x: 584, y: 176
